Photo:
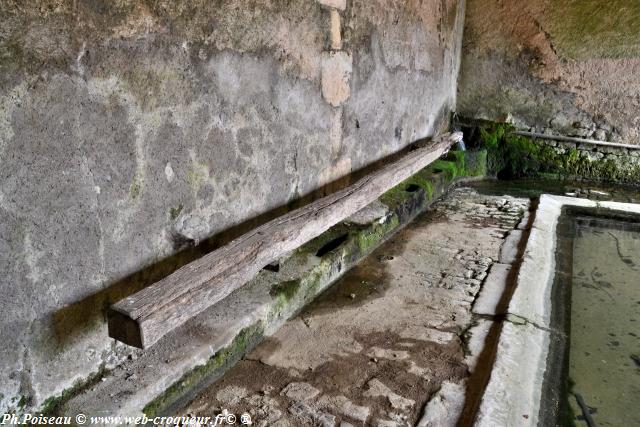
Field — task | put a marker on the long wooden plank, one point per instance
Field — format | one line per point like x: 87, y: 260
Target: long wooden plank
x: 143, y: 318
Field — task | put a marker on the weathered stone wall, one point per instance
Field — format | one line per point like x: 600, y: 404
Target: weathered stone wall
x: 594, y: 162
x: 514, y: 154
x: 133, y: 129
x: 564, y: 67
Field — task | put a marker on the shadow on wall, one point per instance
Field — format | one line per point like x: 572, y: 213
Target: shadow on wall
x: 82, y: 316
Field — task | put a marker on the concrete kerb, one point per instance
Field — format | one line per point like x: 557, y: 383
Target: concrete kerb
x: 513, y: 394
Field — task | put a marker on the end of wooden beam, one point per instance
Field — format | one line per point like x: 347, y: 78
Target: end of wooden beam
x: 124, y: 329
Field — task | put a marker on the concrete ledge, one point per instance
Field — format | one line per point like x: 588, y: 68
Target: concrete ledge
x: 197, y: 353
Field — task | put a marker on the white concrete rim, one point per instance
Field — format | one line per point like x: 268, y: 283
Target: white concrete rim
x: 515, y: 387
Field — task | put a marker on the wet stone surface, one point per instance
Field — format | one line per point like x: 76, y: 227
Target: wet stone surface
x: 386, y: 339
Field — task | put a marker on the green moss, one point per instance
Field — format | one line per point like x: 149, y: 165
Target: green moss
x: 312, y: 282
x: 284, y: 292
x: 287, y: 289
x: 307, y: 287
x: 246, y: 339
x: 446, y: 166
x: 515, y: 156
x: 54, y: 404
x: 475, y: 163
x: 175, y: 212
x: 492, y: 134
x: 460, y: 158
x: 372, y: 236
x: 398, y: 194
x: 24, y: 401
x: 394, y: 197
x: 197, y: 175
x: 136, y: 186
x: 454, y: 165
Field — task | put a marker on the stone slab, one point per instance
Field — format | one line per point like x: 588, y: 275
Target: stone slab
x: 532, y: 297
x: 509, y: 249
x: 370, y: 213
x: 336, y: 73
x: 476, y: 337
x: 492, y: 290
x: 338, y: 4
x: 445, y: 407
x: 512, y: 397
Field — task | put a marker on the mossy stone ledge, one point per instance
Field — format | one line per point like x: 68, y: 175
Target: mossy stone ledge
x: 259, y: 308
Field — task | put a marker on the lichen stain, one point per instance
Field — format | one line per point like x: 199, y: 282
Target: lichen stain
x: 136, y: 186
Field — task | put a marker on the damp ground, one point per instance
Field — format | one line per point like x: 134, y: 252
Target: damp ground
x: 388, y: 339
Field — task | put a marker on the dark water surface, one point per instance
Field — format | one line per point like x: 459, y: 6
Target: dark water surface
x: 604, y: 349
x: 534, y: 188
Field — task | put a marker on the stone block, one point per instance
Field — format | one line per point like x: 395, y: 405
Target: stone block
x: 336, y: 37
x: 509, y: 249
x: 445, y: 407
x: 338, y: 4
x: 336, y: 73
x: 492, y: 290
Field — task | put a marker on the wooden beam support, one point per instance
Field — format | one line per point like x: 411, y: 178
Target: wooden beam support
x: 143, y: 318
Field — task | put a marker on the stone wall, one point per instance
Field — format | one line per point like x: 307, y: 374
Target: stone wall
x: 517, y: 154
x: 595, y: 162
x: 564, y: 67
x: 132, y: 130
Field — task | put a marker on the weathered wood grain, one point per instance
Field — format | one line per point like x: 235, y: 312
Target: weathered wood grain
x: 143, y: 318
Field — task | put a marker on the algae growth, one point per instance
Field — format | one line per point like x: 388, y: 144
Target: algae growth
x: 515, y: 156
x: 207, y: 372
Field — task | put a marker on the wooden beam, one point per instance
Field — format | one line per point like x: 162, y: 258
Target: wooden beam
x: 143, y: 318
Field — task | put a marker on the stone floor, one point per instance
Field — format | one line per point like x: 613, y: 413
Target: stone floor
x: 389, y: 343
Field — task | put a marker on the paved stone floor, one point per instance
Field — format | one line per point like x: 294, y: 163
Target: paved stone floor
x: 388, y: 344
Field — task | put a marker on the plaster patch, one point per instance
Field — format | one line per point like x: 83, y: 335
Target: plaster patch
x: 336, y: 38
x: 336, y: 73
x: 338, y: 4
x: 8, y: 104
x: 168, y: 171
x: 31, y: 257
